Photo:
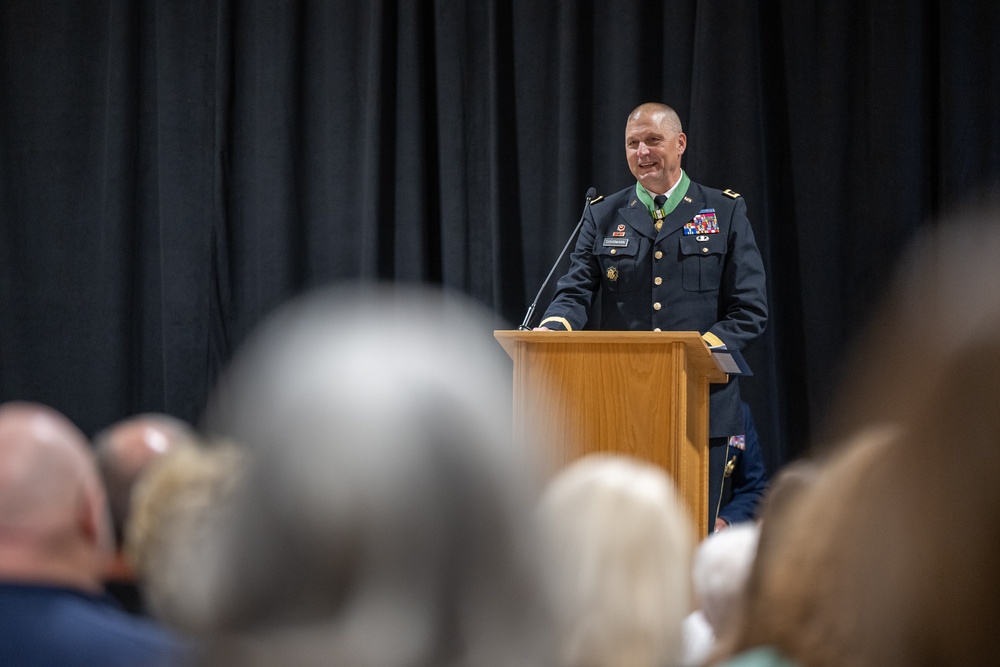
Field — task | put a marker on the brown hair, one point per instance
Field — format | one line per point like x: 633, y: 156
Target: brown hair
x: 888, y: 558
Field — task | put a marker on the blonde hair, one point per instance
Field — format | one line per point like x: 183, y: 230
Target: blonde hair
x: 618, y: 562
x: 175, y: 506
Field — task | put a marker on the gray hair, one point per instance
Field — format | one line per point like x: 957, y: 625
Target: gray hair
x: 385, y: 517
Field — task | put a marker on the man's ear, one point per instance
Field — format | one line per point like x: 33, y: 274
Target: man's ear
x: 682, y: 142
x: 87, y: 520
x: 94, y: 521
x: 93, y: 532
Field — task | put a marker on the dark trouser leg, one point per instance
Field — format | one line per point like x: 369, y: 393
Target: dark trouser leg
x: 717, y: 448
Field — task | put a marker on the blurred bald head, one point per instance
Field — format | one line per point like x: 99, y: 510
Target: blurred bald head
x: 53, y: 520
x: 126, y: 449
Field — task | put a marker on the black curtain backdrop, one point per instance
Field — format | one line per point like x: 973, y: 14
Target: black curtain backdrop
x: 170, y: 172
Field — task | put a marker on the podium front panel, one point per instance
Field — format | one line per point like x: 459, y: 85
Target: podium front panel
x: 641, y: 394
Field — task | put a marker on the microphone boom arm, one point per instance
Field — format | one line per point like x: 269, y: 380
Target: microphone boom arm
x: 591, y: 199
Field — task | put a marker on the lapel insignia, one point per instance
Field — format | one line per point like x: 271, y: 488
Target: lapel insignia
x: 612, y: 273
x: 688, y: 199
x: 730, y: 467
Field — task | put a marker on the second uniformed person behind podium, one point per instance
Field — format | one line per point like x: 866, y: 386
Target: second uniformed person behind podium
x: 668, y: 254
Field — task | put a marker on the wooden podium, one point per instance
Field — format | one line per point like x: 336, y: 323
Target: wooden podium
x: 640, y: 393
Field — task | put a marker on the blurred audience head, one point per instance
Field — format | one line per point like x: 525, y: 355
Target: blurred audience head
x: 177, y: 507
x: 889, y: 556
x: 384, y: 518
x: 54, y: 527
x: 126, y: 449
x: 618, y: 563
x: 945, y: 297
x: 784, y: 488
x: 722, y: 564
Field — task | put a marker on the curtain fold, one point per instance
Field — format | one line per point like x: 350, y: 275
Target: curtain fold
x: 170, y: 173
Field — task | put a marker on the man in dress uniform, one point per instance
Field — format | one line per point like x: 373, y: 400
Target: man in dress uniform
x: 668, y: 254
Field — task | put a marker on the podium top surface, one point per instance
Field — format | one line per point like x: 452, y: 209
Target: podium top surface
x: 698, y: 350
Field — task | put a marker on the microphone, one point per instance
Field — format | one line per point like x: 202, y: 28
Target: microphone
x: 591, y: 199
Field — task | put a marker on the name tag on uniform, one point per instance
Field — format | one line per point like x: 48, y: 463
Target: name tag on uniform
x: 618, y: 243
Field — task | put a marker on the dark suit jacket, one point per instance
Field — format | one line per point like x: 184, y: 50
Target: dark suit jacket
x: 672, y: 280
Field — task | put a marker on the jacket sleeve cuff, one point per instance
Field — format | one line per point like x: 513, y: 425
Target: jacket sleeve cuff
x: 561, y: 323
x: 712, y: 339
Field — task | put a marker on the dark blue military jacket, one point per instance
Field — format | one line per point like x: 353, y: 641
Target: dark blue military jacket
x: 701, y: 272
x: 745, y: 473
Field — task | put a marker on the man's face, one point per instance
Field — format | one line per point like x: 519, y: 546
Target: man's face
x: 653, y: 150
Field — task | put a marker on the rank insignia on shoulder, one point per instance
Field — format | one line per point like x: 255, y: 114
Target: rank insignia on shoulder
x: 731, y: 194
x: 596, y: 199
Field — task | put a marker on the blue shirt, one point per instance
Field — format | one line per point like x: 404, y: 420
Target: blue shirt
x: 62, y: 627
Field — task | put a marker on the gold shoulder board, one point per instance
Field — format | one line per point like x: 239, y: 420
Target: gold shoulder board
x: 731, y: 194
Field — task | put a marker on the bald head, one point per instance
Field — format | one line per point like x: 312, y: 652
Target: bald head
x: 664, y: 114
x: 125, y: 451
x: 53, y: 525
x: 654, y: 145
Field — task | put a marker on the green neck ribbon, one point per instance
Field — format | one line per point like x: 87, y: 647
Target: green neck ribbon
x: 672, y: 201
